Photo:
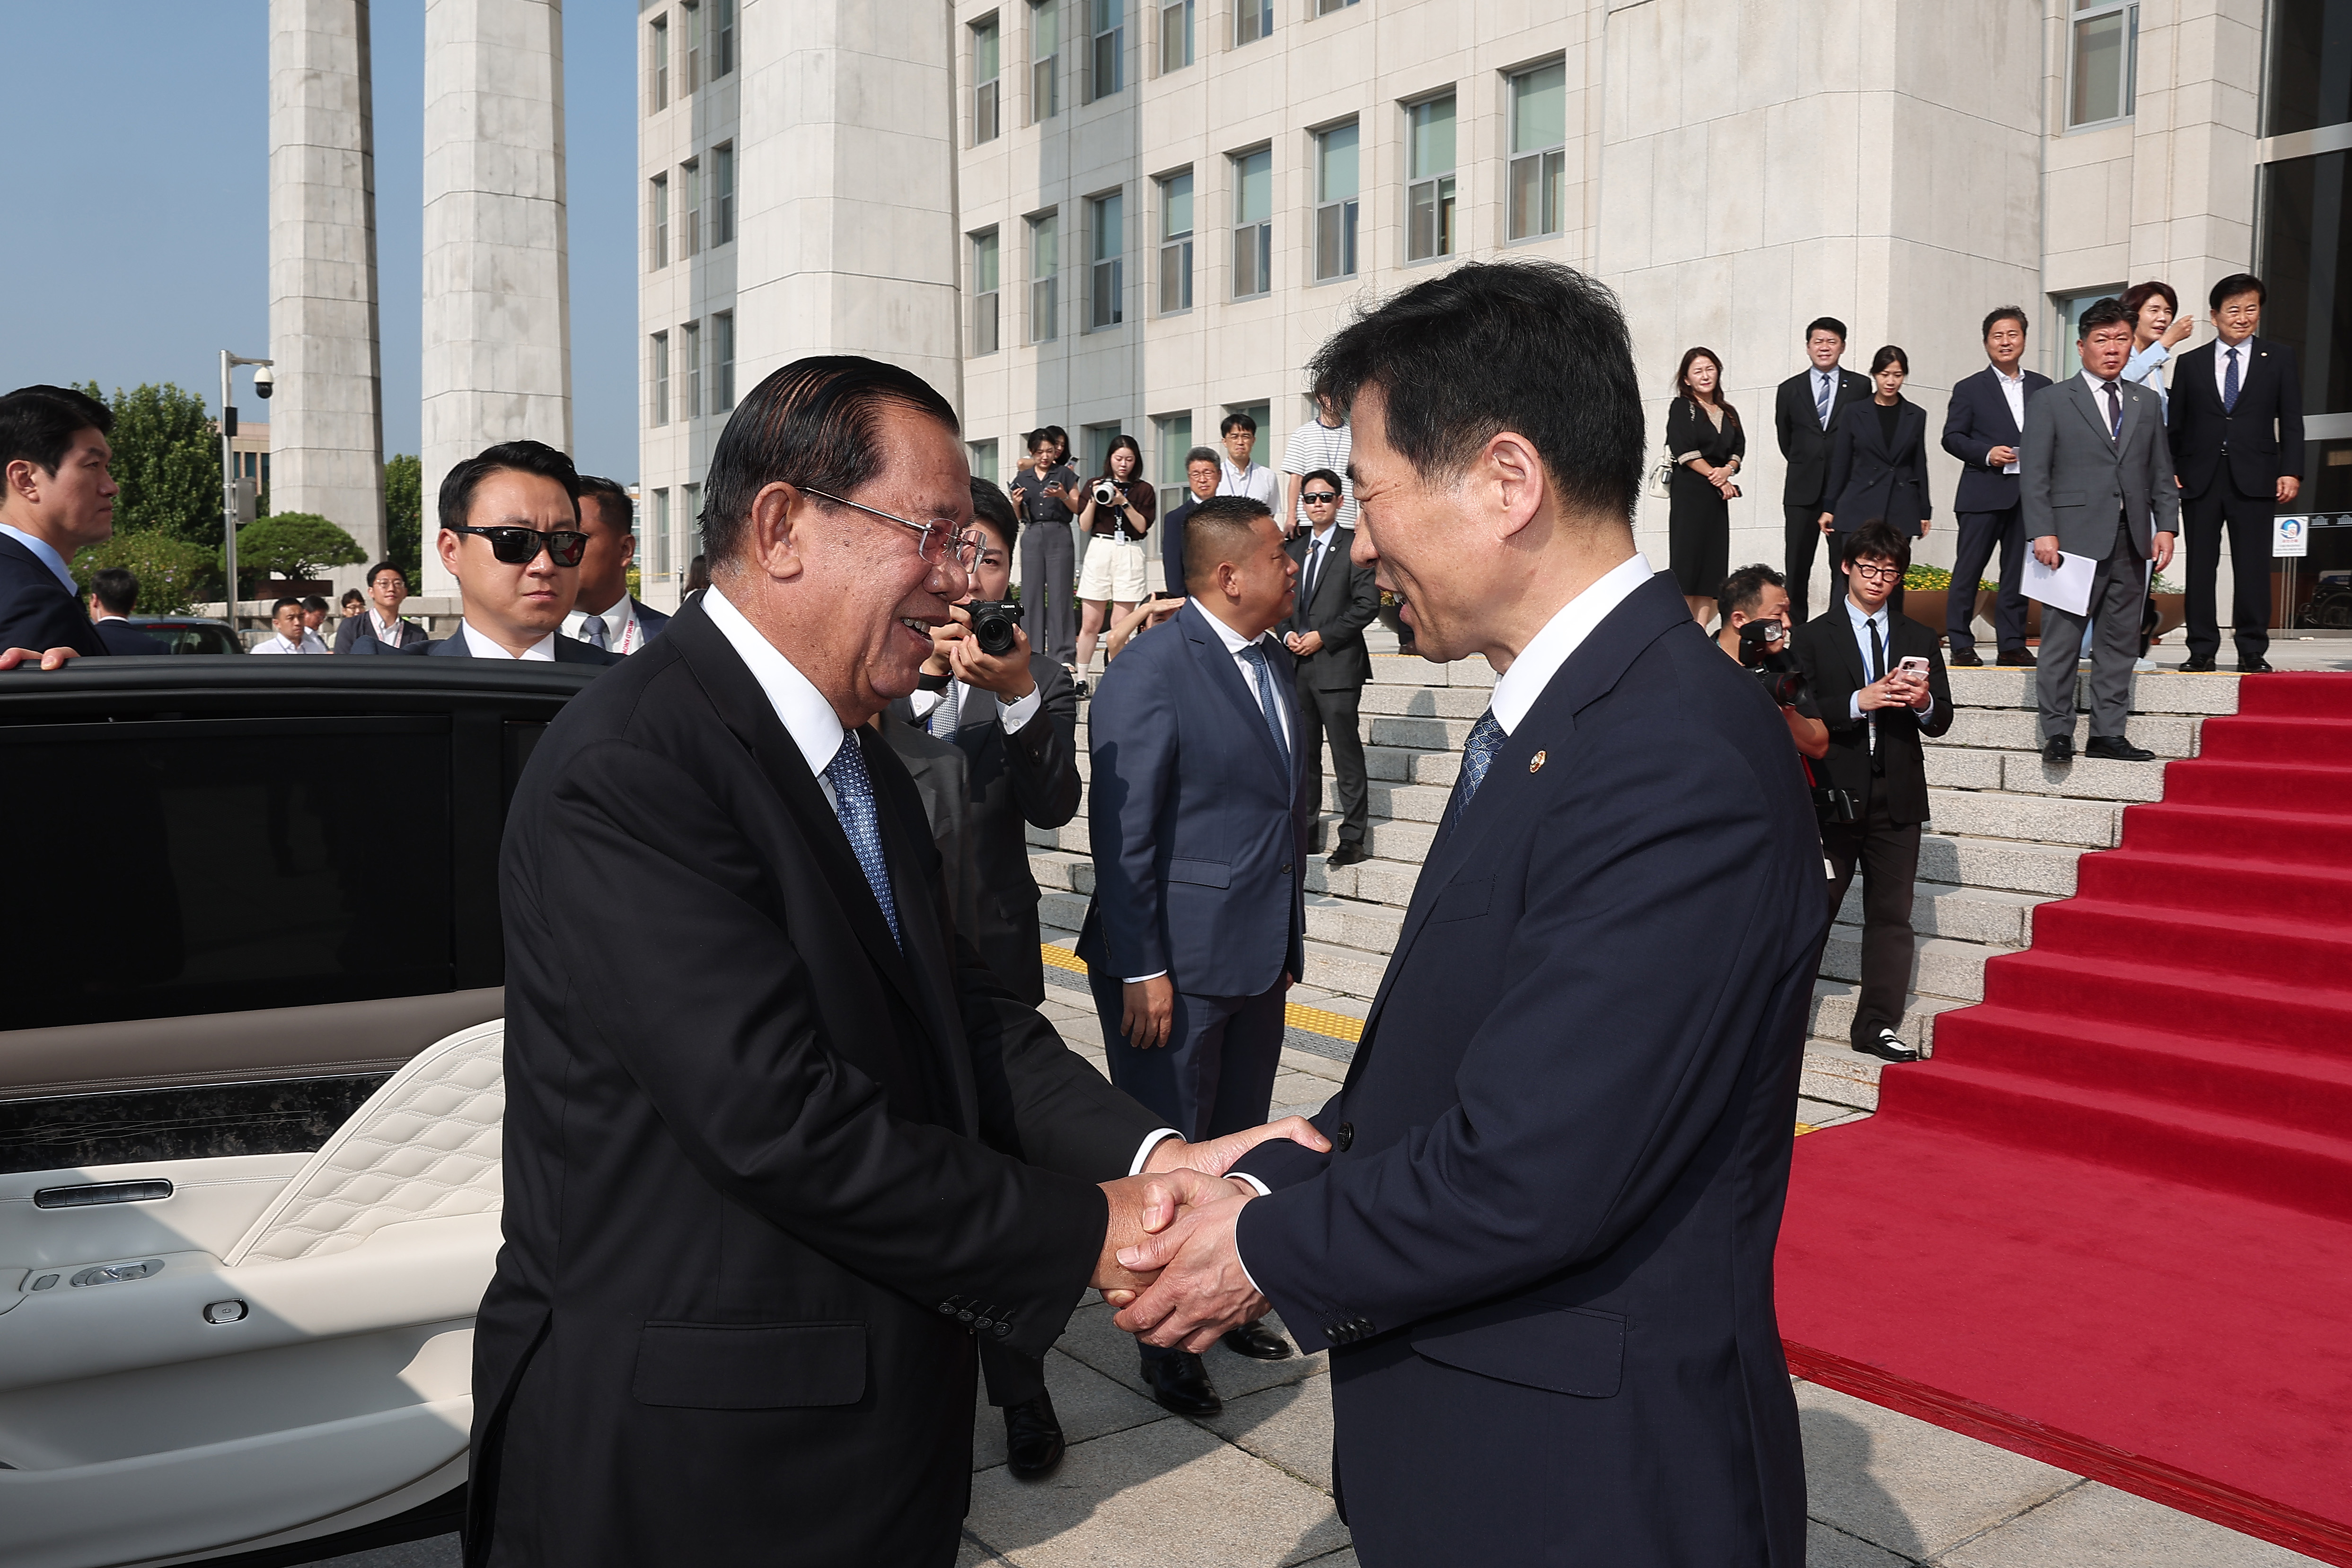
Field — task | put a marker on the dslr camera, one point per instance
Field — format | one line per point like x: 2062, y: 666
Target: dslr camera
x: 1108, y: 492
x: 1764, y: 649
x: 994, y: 624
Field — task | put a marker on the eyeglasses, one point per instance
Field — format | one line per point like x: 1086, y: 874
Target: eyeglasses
x: 520, y: 546
x: 940, y: 536
x: 1319, y: 497
x: 1875, y: 573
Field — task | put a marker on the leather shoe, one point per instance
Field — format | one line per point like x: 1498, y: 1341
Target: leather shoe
x: 1960, y: 659
x: 2254, y: 666
x: 1033, y: 1437
x: 1257, y: 1342
x: 1348, y: 855
x: 2058, y: 748
x: 2198, y: 667
x: 2018, y: 657
x: 2116, y: 749
x: 1887, y: 1046
x: 1180, y: 1384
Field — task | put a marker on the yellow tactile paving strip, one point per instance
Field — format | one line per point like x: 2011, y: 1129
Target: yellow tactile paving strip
x: 1313, y: 1020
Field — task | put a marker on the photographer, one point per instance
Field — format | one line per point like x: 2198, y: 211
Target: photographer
x: 1754, y: 604
x: 1046, y: 493
x: 1120, y: 506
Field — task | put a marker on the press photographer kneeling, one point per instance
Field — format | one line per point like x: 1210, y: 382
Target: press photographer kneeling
x: 1755, y: 630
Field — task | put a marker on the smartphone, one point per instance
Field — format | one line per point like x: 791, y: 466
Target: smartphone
x: 1914, y: 665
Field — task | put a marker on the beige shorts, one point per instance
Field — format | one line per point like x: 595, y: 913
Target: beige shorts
x: 1114, y: 569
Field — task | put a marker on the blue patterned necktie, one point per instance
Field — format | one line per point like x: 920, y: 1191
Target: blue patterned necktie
x: 1486, y: 737
x: 853, y: 801
x: 2230, y: 384
x: 1256, y: 657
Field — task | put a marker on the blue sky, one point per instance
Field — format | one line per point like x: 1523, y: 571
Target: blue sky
x: 140, y: 132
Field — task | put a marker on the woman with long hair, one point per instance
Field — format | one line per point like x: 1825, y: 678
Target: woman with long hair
x: 1113, y: 572
x: 1878, y: 462
x: 1705, y: 439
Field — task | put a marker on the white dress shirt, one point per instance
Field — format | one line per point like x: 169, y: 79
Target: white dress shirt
x: 1256, y: 482
x: 310, y: 642
x: 2245, y: 350
x: 2012, y: 390
x: 385, y: 631
x: 1862, y: 623
x: 816, y: 730
x: 47, y: 556
x: 1517, y: 688
x: 480, y: 646
x: 622, y: 633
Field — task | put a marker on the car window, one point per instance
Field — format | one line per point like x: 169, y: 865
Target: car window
x: 183, y: 639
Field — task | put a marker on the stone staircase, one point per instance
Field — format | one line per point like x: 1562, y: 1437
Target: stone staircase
x: 2005, y: 835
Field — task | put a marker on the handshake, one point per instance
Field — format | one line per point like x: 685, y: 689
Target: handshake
x: 1169, y: 1258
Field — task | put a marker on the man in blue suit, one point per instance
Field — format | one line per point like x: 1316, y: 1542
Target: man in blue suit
x: 57, y: 499
x: 1541, y: 1247
x: 1199, y: 813
x: 1984, y: 427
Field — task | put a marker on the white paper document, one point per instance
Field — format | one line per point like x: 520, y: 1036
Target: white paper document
x: 2066, y: 586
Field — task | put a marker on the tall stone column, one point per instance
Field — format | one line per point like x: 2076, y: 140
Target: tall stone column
x: 498, y: 315
x: 326, y: 423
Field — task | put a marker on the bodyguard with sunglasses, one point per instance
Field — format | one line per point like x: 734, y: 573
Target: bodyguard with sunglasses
x: 1336, y: 600
x: 510, y: 535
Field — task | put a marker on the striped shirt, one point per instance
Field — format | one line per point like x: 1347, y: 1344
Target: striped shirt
x: 1316, y: 445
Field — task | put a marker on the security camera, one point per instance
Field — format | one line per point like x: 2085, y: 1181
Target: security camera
x: 262, y: 383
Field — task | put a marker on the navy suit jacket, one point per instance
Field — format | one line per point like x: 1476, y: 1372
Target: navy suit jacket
x: 1542, y: 1242
x: 651, y: 619
x: 1171, y: 544
x: 2258, y: 440
x: 568, y: 650
x: 1198, y: 829
x: 125, y: 640
x: 36, y: 610
x: 1975, y: 422
x: 1869, y: 480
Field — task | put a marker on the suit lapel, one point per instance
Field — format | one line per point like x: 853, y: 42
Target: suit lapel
x: 2087, y: 405
x: 1209, y: 651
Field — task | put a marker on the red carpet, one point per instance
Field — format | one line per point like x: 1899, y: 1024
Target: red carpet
x: 2115, y: 1211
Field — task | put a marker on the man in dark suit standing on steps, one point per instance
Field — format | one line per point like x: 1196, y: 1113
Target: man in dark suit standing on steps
x: 1803, y: 411
x: 57, y: 499
x: 1540, y: 1248
x: 1984, y: 426
x: 1336, y: 600
x: 1853, y: 658
x: 2237, y: 447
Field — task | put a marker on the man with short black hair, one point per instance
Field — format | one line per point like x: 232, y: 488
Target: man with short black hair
x: 1755, y: 594
x: 288, y: 634
x: 1336, y: 600
x: 1984, y: 426
x: 381, y: 629
x: 1803, y: 410
x: 1238, y: 473
x: 510, y: 535
x: 626, y: 624
x: 114, y: 594
x: 56, y: 499
x: 1203, y: 468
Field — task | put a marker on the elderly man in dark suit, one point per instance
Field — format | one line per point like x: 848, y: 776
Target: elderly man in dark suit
x: 1804, y: 411
x: 1541, y: 1247
x: 1984, y: 426
x: 1336, y: 600
x: 56, y: 498
x: 779, y: 1149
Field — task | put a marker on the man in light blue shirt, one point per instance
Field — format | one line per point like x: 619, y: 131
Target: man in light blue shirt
x: 57, y: 498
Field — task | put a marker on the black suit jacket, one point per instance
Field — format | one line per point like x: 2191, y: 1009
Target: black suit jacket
x: 1833, y: 663
x: 1868, y: 479
x: 568, y: 650
x: 124, y: 640
x: 1171, y: 544
x: 1346, y: 601
x: 1543, y: 1244
x: 1027, y: 779
x: 1975, y: 422
x: 2258, y: 440
x: 767, y: 1173
x: 1803, y: 442
x: 356, y: 630
x: 36, y: 610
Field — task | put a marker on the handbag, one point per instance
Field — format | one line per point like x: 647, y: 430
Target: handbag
x: 1662, y: 470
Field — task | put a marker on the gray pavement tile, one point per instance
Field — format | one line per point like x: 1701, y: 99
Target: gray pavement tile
x: 973, y: 1554
x: 1900, y: 1483
x: 1289, y: 1426
x: 1164, y: 1496
x: 1343, y: 1558
x: 1095, y: 1340
x: 1089, y: 1404
x: 2098, y: 1527
x: 434, y: 1551
x: 1829, y: 1548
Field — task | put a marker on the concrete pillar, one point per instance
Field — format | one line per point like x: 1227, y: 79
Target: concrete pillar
x: 326, y: 421
x: 848, y: 234
x: 498, y: 318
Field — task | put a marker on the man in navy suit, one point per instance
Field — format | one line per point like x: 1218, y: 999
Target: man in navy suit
x: 2236, y: 413
x: 510, y: 535
x: 59, y: 498
x: 626, y: 623
x: 114, y: 594
x: 1541, y: 1247
x: 1199, y: 813
x: 1984, y: 427
x: 383, y: 627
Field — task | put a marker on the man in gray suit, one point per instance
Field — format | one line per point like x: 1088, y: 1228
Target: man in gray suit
x: 2097, y: 482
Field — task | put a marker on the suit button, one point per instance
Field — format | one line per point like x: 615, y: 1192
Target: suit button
x: 1344, y: 1136
x: 1285, y: 868
x: 1004, y: 1330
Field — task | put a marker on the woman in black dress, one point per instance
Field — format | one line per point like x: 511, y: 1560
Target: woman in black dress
x: 1878, y: 463
x: 1705, y: 439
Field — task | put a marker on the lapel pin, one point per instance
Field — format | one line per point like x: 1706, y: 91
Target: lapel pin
x: 1536, y: 762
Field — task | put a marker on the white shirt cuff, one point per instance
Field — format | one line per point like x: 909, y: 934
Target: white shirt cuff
x: 1013, y: 715
x: 1262, y: 1190
x: 1139, y: 979
x: 922, y: 701
x: 1150, y: 1141
x: 1853, y: 706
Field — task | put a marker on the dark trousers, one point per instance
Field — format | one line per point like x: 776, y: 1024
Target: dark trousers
x: 1980, y: 533
x: 1800, y: 536
x: 1837, y: 575
x: 1333, y: 713
x: 2118, y: 589
x: 2248, y: 519
x: 1888, y: 854
x: 1013, y: 1378
x: 1049, y: 580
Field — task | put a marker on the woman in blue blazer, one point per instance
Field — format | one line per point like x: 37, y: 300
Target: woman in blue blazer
x: 1878, y: 462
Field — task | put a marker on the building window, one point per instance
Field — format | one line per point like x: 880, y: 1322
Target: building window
x: 983, y: 459
x: 1429, y: 173
x: 2310, y: 48
x: 1175, y: 35
x: 1176, y: 243
x: 1335, y: 202
x: 1098, y: 440
x: 722, y: 37
x: 659, y: 402
x: 658, y: 525
x: 2303, y: 245
x: 1325, y: 7
x: 1109, y: 59
x: 2106, y: 61
x: 722, y: 195
x: 690, y: 506
x: 661, y: 221
x: 1253, y: 20
x: 722, y: 362
x: 689, y: 218
x: 1106, y: 284
x: 1253, y: 223
x: 1045, y: 60
x: 691, y: 78
x: 689, y: 348
x: 986, y: 120
x: 1538, y: 173
x: 1044, y: 266
x: 984, y: 296
x: 1173, y: 433
x: 658, y: 89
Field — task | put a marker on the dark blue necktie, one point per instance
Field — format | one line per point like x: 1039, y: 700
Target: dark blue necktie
x: 2230, y: 384
x: 1256, y: 657
x: 1486, y: 737
x: 2115, y: 412
x: 853, y: 801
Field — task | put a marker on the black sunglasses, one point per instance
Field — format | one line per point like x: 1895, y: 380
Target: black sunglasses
x: 520, y: 546
x: 1317, y: 498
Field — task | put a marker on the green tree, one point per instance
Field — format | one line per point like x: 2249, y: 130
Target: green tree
x: 167, y: 459
x: 403, y: 514
x: 294, y: 546
x: 174, y: 575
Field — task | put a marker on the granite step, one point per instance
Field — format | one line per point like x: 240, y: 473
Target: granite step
x: 2039, y: 819
x: 1992, y: 915
x: 1940, y: 966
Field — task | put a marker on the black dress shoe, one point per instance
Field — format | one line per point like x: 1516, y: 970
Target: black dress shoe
x: 2058, y: 748
x: 1348, y: 855
x: 2254, y: 666
x: 2018, y: 657
x: 2116, y: 749
x: 2200, y: 666
x: 1887, y: 1046
x: 1959, y: 661
x: 1033, y: 1437
x: 1180, y: 1384
x: 1257, y: 1342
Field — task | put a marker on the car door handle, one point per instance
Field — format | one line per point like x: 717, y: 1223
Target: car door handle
x: 115, y: 1273
x: 90, y: 1193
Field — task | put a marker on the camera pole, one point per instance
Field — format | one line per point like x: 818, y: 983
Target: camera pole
x: 228, y: 479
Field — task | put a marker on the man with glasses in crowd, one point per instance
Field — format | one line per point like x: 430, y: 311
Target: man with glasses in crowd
x: 382, y: 623
x: 510, y: 535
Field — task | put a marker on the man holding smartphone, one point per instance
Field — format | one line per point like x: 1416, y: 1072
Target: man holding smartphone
x: 1879, y: 679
